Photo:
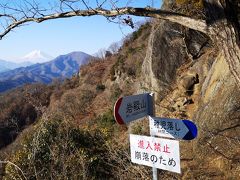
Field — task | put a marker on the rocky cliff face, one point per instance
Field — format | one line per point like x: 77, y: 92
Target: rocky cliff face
x: 165, y: 54
x: 191, y: 80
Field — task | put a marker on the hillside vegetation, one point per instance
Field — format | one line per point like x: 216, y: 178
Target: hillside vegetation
x: 68, y: 130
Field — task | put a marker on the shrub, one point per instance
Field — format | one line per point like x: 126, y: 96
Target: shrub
x: 131, y: 72
x: 106, y: 119
x: 100, y: 87
x: 136, y: 34
x: 112, y: 73
x: 75, y: 102
x: 63, y: 151
x: 118, y: 66
x: 191, y: 7
x: 116, y: 92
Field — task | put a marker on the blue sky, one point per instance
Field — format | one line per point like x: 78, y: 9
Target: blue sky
x: 56, y: 37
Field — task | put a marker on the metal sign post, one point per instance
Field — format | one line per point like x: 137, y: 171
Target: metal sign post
x: 151, y: 151
x: 152, y: 100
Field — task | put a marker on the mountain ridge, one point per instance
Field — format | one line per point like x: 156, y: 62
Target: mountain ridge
x: 61, y: 67
x: 9, y: 65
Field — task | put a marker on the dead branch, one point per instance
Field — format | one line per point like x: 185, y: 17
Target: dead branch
x: 16, y: 166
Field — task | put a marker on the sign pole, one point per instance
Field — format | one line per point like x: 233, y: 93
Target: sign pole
x: 165, y: 153
x: 152, y: 113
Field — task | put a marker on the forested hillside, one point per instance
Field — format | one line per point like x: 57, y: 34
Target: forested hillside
x: 72, y: 132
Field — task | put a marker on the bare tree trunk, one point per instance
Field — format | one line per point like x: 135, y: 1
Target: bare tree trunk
x: 223, y: 23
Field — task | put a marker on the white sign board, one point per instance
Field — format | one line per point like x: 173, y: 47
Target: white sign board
x: 130, y: 108
x: 167, y: 127
x: 172, y: 128
x: 155, y: 152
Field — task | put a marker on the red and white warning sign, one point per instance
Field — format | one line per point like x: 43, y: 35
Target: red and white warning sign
x: 155, y: 152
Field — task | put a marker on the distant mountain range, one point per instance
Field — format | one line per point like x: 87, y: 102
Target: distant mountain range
x: 31, y: 58
x: 7, y: 65
x: 61, y: 67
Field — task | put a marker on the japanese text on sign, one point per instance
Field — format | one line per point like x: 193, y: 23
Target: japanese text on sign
x: 130, y: 108
x: 136, y: 107
x: 172, y: 128
x: 155, y: 152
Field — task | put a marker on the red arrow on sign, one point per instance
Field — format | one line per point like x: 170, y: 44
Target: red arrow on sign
x: 130, y: 108
x: 116, y: 110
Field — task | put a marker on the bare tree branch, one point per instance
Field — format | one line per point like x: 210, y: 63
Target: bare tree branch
x: 100, y: 4
x: 195, y: 24
x: 16, y: 166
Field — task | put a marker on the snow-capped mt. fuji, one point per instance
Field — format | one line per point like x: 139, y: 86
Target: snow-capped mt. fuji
x: 36, y: 56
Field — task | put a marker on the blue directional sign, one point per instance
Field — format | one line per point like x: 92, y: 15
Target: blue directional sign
x: 192, y: 133
x: 172, y: 128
